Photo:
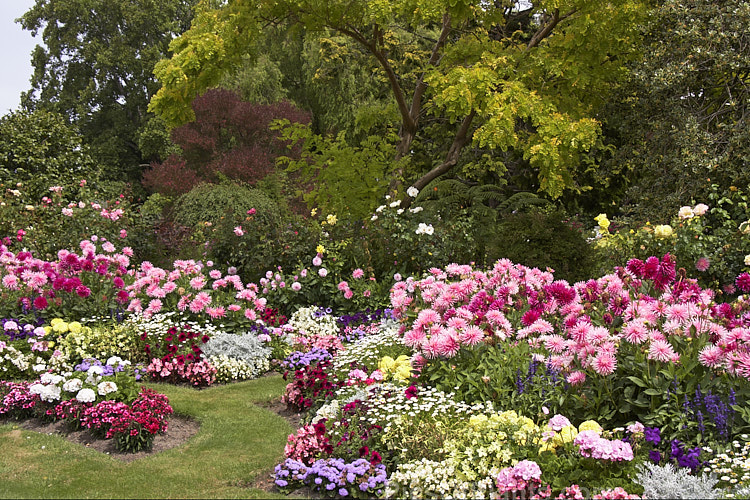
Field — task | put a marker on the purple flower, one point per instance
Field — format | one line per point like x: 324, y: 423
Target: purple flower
x: 653, y: 435
x: 654, y: 456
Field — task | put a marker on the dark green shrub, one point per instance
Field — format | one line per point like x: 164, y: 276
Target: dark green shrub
x: 213, y: 202
x: 238, y: 226
x: 544, y: 239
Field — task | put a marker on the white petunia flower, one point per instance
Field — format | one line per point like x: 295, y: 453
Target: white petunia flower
x: 86, y: 395
x: 73, y: 385
x: 106, y: 387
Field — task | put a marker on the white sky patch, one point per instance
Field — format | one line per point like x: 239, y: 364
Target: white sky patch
x: 16, y: 69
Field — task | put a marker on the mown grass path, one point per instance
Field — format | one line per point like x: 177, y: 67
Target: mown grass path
x: 237, y: 442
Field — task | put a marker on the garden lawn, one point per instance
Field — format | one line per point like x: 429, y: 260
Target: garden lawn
x: 236, y: 444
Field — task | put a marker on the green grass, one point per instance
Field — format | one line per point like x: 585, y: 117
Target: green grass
x: 238, y: 442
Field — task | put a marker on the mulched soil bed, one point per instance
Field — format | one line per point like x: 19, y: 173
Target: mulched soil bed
x: 179, y: 431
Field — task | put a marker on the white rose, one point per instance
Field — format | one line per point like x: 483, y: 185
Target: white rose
x: 747, y: 260
x: 700, y: 209
x: 412, y: 191
x: 685, y: 213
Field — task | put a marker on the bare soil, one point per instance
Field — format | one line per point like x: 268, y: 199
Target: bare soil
x: 180, y: 429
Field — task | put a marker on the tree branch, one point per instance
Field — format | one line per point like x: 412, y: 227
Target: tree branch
x: 451, y: 158
x: 416, y: 102
x: 545, y: 30
x: 408, y: 122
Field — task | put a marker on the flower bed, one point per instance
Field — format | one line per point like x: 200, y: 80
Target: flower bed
x: 507, y: 382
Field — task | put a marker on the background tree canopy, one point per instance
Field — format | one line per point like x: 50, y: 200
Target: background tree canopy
x: 679, y: 120
x: 466, y: 77
x: 96, y: 68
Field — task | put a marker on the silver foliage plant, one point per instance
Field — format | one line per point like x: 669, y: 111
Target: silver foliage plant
x: 245, y: 347
x: 667, y: 482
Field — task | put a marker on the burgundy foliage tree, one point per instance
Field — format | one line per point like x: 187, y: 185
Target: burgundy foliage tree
x: 229, y: 137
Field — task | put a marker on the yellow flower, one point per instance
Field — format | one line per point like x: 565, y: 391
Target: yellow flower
x: 602, y: 220
x: 331, y: 219
x: 477, y: 421
x: 387, y: 364
x: 568, y: 434
x: 547, y: 446
x: 313, y: 212
x: 60, y: 327
x: 508, y: 417
x: 74, y: 327
x: 403, y: 372
x: 320, y: 249
x: 590, y: 425
x: 56, y: 321
x: 663, y: 231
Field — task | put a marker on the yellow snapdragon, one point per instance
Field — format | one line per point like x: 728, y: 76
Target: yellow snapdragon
x: 398, y: 369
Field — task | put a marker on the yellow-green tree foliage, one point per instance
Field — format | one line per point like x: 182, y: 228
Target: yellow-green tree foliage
x: 504, y: 75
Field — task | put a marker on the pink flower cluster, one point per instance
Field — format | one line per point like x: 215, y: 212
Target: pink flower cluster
x: 147, y: 413
x: 524, y: 477
x: 330, y: 343
x: 40, y: 282
x: 574, y: 491
x: 591, y: 444
x: 16, y: 398
x: 187, y: 288
x: 199, y: 373
x: 576, y: 328
x: 615, y: 493
x: 309, y: 444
